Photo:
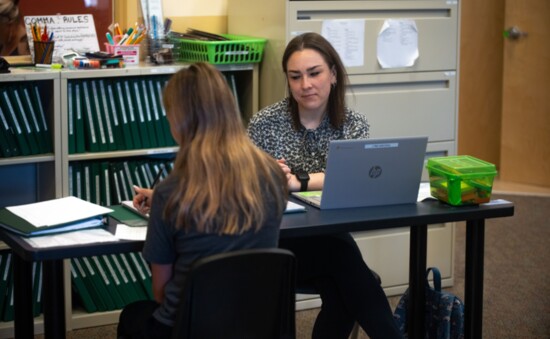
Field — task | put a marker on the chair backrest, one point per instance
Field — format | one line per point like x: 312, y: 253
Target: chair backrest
x: 241, y: 294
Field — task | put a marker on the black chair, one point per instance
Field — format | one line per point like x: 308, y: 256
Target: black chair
x: 241, y: 294
x: 310, y: 289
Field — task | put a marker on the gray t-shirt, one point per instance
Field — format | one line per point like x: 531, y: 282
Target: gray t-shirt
x: 166, y: 245
x: 271, y: 129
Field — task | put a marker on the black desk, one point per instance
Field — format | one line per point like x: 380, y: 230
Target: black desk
x: 314, y: 222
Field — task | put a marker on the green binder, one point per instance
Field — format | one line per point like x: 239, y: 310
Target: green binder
x: 98, y: 283
x: 116, y: 280
x: 18, y: 225
x: 129, y: 286
x: 16, y: 125
x: 104, y: 184
x: 37, y: 103
x: 81, y: 289
x: 25, y: 121
x: 71, y: 117
x: 107, y: 94
x: 145, y: 98
x: 126, y: 216
x: 128, y: 169
x: 87, y: 182
x: 141, y: 115
x: 79, y: 118
x: 35, y: 123
x: 8, y: 303
x: 5, y: 145
x: 37, y: 288
x: 124, y: 117
x: 132, y: 275
x: 156, y: 114
x: 144, y: 273
x: 115, y: 184
x: 102, y: 114
x: 77, y: 188
x: 169, y: 140
x: 132, y: 116
x: 108, y: 282
x: 102, y: 133
x: 5, y: 271
x: 91, y: 126
x: 89, y: 284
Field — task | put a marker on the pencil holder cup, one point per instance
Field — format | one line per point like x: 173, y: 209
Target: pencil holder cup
x: 130, y: 53
x: 43, y: 52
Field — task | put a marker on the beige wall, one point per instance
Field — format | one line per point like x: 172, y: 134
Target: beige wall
x: 205, y: 15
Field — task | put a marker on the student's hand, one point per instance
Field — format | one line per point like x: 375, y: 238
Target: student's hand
x: 142, y: 199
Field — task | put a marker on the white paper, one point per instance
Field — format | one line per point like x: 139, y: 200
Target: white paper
x: 130, y: 233
x: 397, y: 44
x: 58, y: 211
x: 424, y: 191
x: 70, y: 33
x: 292, y: 207
x: 72, y: 238
x: 348, y: 38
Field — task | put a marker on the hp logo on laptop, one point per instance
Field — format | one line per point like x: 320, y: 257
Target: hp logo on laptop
x: 375, y: 171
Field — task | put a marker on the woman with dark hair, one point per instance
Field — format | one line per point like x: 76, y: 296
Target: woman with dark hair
x: 223, y: 194
x: 297, y: 131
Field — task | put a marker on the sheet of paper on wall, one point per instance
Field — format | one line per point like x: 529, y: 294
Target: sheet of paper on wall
x: 397, y: 43
x: 70, y: 33
x: 348, y: 38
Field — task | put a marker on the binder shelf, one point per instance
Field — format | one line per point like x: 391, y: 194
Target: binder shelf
x: 238, y: 49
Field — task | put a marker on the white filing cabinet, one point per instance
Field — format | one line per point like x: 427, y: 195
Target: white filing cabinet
x: 418, y: 100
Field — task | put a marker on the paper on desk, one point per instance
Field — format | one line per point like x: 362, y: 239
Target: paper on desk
x: 58, y: 211
x: 80, y: 237
x: 130, y: 232
x: 424, y: 191
x: 292, y: 207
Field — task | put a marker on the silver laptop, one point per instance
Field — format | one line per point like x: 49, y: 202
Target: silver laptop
x: 370, y: 172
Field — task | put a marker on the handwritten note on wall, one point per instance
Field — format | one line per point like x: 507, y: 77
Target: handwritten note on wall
x: 348, y: 38
x: 397, y: 44
x: 71, y: 33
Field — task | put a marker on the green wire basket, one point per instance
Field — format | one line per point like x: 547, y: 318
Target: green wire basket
x: 237, y: 50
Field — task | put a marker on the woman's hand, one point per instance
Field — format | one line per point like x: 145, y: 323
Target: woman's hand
x: 286, y: 169
x: 142, y: 199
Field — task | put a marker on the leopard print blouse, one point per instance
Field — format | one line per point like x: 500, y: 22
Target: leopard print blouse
x: 306, y: 150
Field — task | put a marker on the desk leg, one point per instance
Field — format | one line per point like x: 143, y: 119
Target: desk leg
x: 473, y: 308
x: 53, y: 299
x: 22, y: 298
x: 417, y: 274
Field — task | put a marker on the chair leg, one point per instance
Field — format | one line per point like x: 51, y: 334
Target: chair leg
x: 355, y: 332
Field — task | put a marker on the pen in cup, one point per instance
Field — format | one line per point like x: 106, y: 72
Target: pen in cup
x: 155, y: 181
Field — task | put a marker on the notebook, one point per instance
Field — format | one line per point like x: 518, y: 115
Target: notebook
x: 370, y: 172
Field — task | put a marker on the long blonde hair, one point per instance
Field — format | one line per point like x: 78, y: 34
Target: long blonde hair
x: 223, y: 179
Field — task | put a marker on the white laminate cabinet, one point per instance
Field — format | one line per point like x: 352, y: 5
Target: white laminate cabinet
x: 33, y: 178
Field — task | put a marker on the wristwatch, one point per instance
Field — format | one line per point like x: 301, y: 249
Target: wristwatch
x: 304, y: 179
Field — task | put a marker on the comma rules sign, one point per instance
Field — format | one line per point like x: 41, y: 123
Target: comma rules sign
x: 70, y: 33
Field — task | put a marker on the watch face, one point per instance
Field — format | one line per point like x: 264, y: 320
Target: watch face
x: 302, y: 176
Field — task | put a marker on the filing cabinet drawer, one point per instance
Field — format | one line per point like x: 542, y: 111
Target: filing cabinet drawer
x: 436, y: 23
x: 407, y: 104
